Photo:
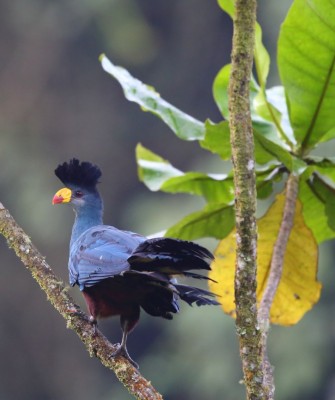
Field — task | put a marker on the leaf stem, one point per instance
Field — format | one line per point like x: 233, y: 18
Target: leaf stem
x: 96, y: 345
x: 276, y: 270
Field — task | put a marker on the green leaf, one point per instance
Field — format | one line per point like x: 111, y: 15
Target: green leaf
x: 220, y: 90
x: 159, y: 174
x: 262, y: 58
x: 214, y: 220
x: 274, y: 146
x: 328, y: 171
x: 213, y: 187
x: 183, y: 125
x: 265, y: 180
x: 217, y: 139
x: 326, y: 194
x: 276, y: 97
x: 265, y: 109
x: 265, y: 189
x: 262, y: 156
x: 227, y: 6
x: 329, y: 135
x: 314, y: 211
x: 323, y: 165
x: 306, y: 60
x: 153, y: 170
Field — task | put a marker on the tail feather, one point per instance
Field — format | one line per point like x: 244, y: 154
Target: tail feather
x: 195, y: 295
x: 198, y: 276
x: 157, y: 261
x: 170, y: 256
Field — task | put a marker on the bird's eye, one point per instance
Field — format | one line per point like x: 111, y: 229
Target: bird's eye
x: 78, y: 193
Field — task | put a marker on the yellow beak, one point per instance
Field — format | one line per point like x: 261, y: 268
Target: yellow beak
x: 62, y: 196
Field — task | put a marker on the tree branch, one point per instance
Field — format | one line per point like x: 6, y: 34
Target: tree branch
x: 242, y: 144
x: 276, y: 270
x: 97, y: 345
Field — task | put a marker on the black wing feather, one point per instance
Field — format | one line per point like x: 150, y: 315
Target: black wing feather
x: 170, y: 256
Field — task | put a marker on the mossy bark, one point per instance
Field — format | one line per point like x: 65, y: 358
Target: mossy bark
x: 245, y: 194
x: 97, y: 345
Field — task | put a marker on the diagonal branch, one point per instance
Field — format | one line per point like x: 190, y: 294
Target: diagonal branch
x: 97, y: 345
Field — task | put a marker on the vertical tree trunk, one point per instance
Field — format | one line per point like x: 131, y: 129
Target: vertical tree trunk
x: 245, y: 194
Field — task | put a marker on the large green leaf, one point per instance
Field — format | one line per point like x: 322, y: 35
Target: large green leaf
x: 276, y: 97
x: 323, y: 165
x: 159, y: 174
x: 306, y: 60
x: 214, y: 220
x: 213, y: 187
x: 217, y: 139
x: 262, y: 156
x: 220, y: 90
x: 326, y: 193
x: 314, y: 211
x: 153, y: 170
x: 274, y: 146
x: 183, y: 125
x: 262, y: 58
x: 263, y: 127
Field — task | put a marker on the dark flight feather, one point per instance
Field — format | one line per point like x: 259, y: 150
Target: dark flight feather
x: 170, y: 256
x: 195, y: 295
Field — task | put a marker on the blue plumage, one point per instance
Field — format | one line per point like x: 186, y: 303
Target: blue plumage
x: 101, y: 252
x: 121, y: 272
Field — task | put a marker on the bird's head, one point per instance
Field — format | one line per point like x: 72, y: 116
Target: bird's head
x: 80, y: 180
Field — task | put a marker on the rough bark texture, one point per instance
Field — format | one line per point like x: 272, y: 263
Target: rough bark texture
x: 97, y: 345
x: 276, y: 270
x: 245, y: 195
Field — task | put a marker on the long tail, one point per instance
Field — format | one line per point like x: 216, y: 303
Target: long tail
x: 195, y: 295
x: 171, y: 257
x: 157, y: 262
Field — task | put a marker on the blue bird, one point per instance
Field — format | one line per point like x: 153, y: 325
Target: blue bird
x: 120, y: 272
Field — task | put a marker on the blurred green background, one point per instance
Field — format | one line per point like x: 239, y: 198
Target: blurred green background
x: 56, y: 103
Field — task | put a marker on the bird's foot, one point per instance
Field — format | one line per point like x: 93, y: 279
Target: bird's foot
x: 74, y: 311
x: 122, y: 351
x: 94, y: 324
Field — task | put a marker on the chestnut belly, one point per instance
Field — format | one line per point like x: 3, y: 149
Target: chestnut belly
x: 112, y: 297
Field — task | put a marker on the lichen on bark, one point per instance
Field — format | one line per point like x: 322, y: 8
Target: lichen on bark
x: 245, y: 198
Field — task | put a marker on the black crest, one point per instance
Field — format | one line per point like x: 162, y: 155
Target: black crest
x: 83, y: 174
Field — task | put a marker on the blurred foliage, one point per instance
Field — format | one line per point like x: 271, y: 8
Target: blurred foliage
x: 56, y: 103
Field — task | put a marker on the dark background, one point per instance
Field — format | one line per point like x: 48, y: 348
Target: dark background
x: 56, y: 102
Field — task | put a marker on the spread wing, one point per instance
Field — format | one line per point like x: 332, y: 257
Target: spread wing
x: 99, y: 253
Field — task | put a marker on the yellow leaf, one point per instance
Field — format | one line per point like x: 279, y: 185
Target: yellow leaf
x: 298, y: 289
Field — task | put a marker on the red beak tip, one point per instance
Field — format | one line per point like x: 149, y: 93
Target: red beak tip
x: 57, y: 200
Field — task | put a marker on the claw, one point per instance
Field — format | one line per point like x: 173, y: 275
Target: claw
x: 122, y: 351
x: 94, y: 324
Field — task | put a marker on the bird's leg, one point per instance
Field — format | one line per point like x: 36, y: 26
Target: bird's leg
x: 122, y: 350
x: 127, y: 325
